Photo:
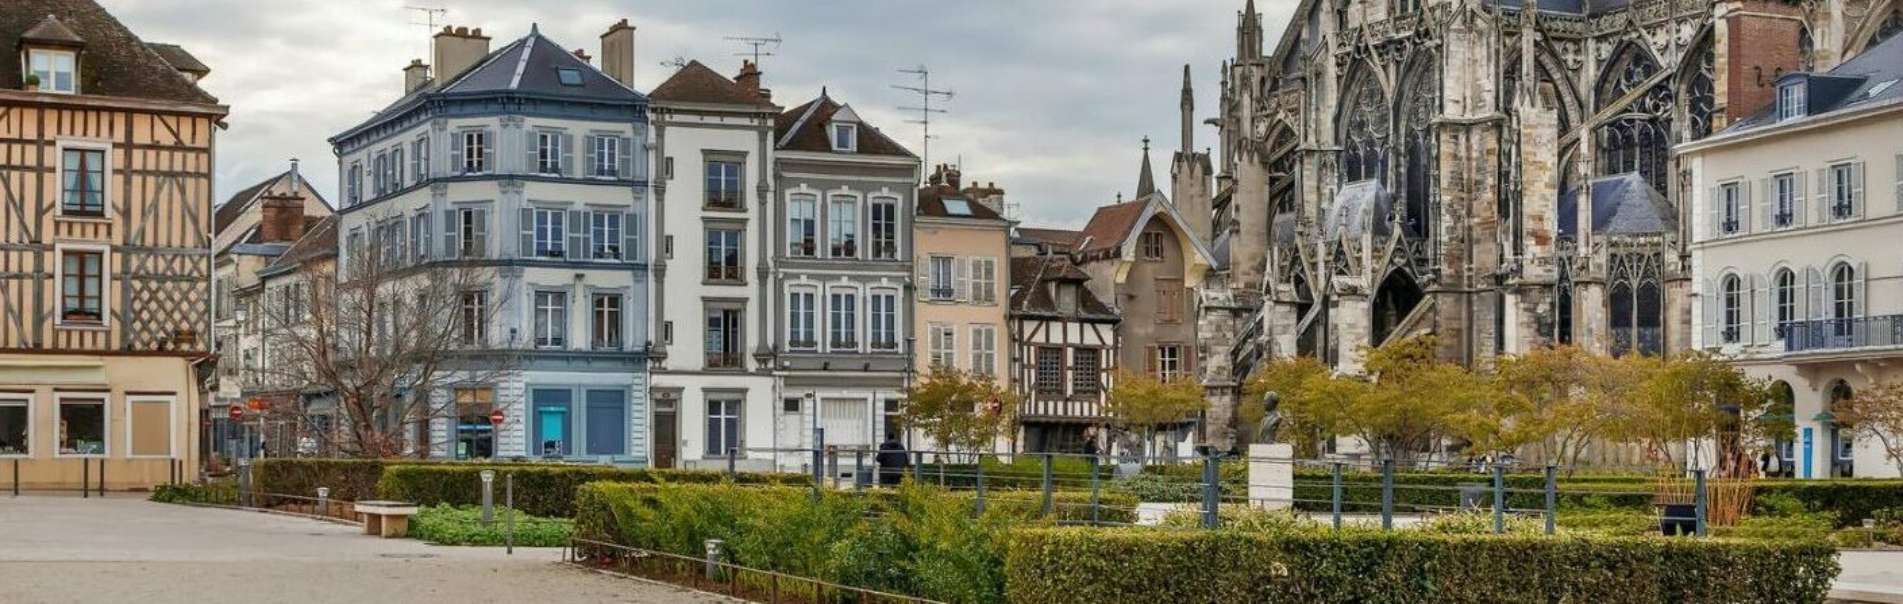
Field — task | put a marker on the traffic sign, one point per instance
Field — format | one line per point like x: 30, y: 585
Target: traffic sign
x: 496, y: 418
x: 237, y: 412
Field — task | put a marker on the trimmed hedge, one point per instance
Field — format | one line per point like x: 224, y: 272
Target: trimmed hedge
x: 1852, y: 500
x: 541, y: 490
x: 1092, y: 566
x: 348, y: 479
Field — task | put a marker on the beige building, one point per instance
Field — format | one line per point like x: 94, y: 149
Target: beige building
x: 961, y: 242
x: 105, y: 250
x: 1797, y: 211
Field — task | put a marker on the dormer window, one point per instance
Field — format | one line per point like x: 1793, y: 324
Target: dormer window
x: 1790, y: 100
x: 57, y: 70
x: 845, y: 137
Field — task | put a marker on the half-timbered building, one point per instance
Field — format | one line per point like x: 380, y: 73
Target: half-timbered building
x: 1064, y: 349
x: 106, y: 156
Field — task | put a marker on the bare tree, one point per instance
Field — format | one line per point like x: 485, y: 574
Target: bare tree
x: 389, y: 339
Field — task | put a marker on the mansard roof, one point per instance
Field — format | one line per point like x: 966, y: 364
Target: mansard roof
x: 1870, y: 78
x: 803, y: 128
x: 698, y: 83
x: 932, y: 202
x: 117, y: 63
x: 1622, y: 204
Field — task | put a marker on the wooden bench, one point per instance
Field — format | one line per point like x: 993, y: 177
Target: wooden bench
x: 386, y: 518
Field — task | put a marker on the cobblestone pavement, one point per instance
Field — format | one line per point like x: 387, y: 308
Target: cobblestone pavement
x: 125, y: 549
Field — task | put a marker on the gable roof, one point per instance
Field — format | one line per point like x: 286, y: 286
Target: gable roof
x: 803, y: 128
x: 1111, y: 224
x: 698, y: 83
x: 1062, y: 240
x: 235, y: 206
x: 1030, y: 296
x: 319, y: 241
x: 117, y: 63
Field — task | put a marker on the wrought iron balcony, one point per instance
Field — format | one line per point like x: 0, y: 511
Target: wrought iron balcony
x: 1840, y: 334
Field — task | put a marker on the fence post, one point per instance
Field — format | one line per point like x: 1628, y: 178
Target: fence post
x: 733, y: 463
x: 1047, y: 485
x: 1387, y: 494
x: 1552, y: 497
x: 85, y: 478
x: 859, y: 469
x: 1335, y: 497
x: 1698, y: 499
x: 832, y: 466
x: 508, y: 512
x: 819, y: 461
x: 1499, y: 498
x: 102, y: 477
x: 1096, y: 493
x: 981, y: 484
x: 244, y: 482
x: 918, y: 466
x: 1212, y: 494
x: 16, y: 478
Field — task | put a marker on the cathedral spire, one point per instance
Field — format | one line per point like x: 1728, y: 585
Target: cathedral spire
x: 1146, y: 183
x: 1249, y: 33
x: 1189, y: 115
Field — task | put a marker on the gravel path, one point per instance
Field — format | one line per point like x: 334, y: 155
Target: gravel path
x: 66, y: 549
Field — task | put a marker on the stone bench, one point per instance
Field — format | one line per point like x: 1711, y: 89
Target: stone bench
x: 386, y: 518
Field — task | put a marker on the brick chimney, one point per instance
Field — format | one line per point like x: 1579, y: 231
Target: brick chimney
x: 283, y: 217
x: 458, y: 49
x: 582, y: 53
x: 617, y: 53
x: 749, y: 77
x: 1760, y: 44
x: 415, y: 75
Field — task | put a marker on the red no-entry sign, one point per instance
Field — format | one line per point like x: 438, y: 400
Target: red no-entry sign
x: 236, y: 412
x: 496, y: 417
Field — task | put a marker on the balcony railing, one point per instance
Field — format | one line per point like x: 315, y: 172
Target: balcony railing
x: 1838, y: 334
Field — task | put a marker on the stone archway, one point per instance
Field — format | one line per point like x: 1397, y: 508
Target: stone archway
x: 1397, y: 296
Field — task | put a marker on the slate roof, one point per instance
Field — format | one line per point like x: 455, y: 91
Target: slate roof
x: 116, y: 62
x: 931, y: 202
x: 319, y: 241
x: 1571, y: 7
x: 1622, y: 204
x: 179, y: 58
x: 1029, y: 274
x: 1875, y: 76
x: 803, y: 128
x: 697, y: 83
x: 1362, y: 207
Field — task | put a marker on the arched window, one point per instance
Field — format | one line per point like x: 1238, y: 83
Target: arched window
x: 1733, y: 298
x: 1699, y: 99
x: 1784, y: 287
x: 1364, y: 129
x: 1843, y: 299
x: 1420, y: 102
x: 1637, y: 138
x: 1621, y: 303
x: 1842, y: 448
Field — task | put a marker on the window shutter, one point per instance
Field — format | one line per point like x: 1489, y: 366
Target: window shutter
x: 480, y: 247
x: 1798, y: 199
x: 450, y: 249
x: 489, y: 150
x: 579, y: 230
x: 1762, y: 301
x: 961, y: 278
x: 1744, y: 206
x: 1814, y: 281
x: 1899, y: 182
x: 1861, y: 308
x: 625, y: 168
x: 527, y: 249
x: 630, y: 236
x: 1149, y: 360
x: 1856, y: 191
x: 566, y: 143
x: 1767, y: 204
x: 1715, y: 199
x: 588, y: 154
x: 1823, y: 197
x: 424, y: 238
x: 531, y: 144
x: 1714, y: 313
x: 456, y: 153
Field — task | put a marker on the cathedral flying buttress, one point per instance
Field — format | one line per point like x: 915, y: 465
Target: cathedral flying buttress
x: 1498, y: 173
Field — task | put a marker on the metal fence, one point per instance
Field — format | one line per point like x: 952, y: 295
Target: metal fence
x: 712, y: 574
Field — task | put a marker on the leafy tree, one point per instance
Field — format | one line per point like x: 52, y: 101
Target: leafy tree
x: 1695, y: 397
x: 1141, y: 403
x: 1410, y: 401
x: 1565, y: 395
x: 959, y: 410
x: 1876, y: 414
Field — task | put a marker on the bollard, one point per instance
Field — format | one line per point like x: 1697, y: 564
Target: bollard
x: 1552, y: 497
x: 1048, y: 486
x: 1387, y: 494
x: 733, y: 463
x: 488, y: 495
x: 712, y: 548
x: 918, y: 466
x: 323, y: 501
x: 102, y: 477
x: 1212, y: 495
x: 1096, y: 492
x: 244, y: 482
x: 819, y: 461
x: 1499, y: 499
x: 1698, y: 500
x: 981, y: 485
x: 85, y: 478
x: 508, y: 514
x: 16, y: 478
x: 1336, y: 496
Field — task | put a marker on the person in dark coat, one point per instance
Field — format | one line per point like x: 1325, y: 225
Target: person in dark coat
x: 893, y: 460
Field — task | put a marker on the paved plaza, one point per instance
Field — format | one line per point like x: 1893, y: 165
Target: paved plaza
x: 125, y: 549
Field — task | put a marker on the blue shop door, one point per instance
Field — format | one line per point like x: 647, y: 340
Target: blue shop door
x: 607, y: 422
x: 551, y: 423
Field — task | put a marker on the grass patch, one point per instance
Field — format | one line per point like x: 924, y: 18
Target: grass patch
x: 445, y: 524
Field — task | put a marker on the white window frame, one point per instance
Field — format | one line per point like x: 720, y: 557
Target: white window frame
x: 1730, y: 208
x: 619, y: 324
x: 1791, y: 101
x: 1784, y: 200
x: 837, y: 230
x: 171, y: 424
x: 25, y: 401
x: 843, y: 132
x: 476, y: 140
x: 480, y: 321
x: 739, y: 404
x: 1169, y: 368
x: 536, y: 323
x: 105, y: 432
x: 811, y: 202
x: 604, y: 230
x: 813, y: 315
x: 556, y: 228
x: 844, y: 317
x: 941, y: 287
x: 874, y: 252
x: 548, y: 152
x: 52, y: 69
x: 105, y: 285
x: 1842, y: 187
x: 607, y: 156
x: 984, y: 350
x: 1731, y: 308
x: 105, y: 182
x: 873, y: 319
x: 1779, y: 301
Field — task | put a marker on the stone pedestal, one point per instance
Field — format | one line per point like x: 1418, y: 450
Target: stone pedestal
x: 1272, y: 476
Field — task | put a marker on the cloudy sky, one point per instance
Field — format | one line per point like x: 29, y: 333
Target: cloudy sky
x: 1052, y: 96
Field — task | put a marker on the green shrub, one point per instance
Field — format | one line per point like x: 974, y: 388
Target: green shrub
x: 1852, y: 499
x: 219, y: 492
x: 1244, y: 518
x: 348, y: 479
x: 1479, y: 522
x: 1062, y: 566
x: 462, y: 525
x: 541, y: 490
x: 1610, y: 523
x: 1158, y: 488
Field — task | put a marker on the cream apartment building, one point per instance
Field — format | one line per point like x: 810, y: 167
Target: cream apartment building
x: 1797, y: 215
x: 962, y: 245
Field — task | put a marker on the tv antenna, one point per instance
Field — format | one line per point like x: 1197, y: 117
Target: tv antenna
x: 431, y: 15
x: 925, y: 110
x: 760, y: 46
x: 676, y: 62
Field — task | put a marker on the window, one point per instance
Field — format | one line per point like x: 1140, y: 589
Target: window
x: 1732, y: 298
x: 1086, y: 371
x: 984, y: 350
x: 548, y: 153
x: 1786, y: 285
x: 1152, y: 244
x: 723, y: 255
x: 723, y: 184
x: 1728, y: 209
x: 551, y: 319
x: 885, y: 320
x: 379, y: 167
x: 1790, y: 100
x: 548, y: 233
x: 790, y: 404
x: 944, y: 351
x: 56, y: 70
x: 940, y: 275
x: 604, y: 235
x: 1843, y: 191
x: 1784, y: 206
x: 984, y: 280
x: 667, y: 332
x: 885, y: 229
x: 396, y: 168
x: 845, y: 137
x: 149, y: 426
x: 607, y: 156
x: 1843, y: 283
x: 419, y: 160
x: 83, y: 182
x: 844, y: 320
x: 82, y: 426
x: 14, y: 438
x: 842, y: 226
x: 472, y: 232
x: 475, y: 151
x: 1169, y: 300
x: 82, y: 283
x: 607, y: 324
x: 419, y: 236
x: 724, y: 344
x: 1169, y: 362
x: 353, y: 183
x: 802, y: 317
x: 802, y: 225
x: 723, y: 426
x: 475, y: 318
x: 892, y: 411
x: 1050, y: 371
x: 475, y: 436
x: 568, y: 76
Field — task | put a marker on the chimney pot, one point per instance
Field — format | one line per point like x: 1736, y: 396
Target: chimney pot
x: 617, y: 52
x: 457, y: 50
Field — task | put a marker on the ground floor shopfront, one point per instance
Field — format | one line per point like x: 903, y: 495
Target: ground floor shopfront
x: 593, y: 416
x: 72, y: 420
x: 1821, y: 446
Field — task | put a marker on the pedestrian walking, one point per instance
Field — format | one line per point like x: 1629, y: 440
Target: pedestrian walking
x: 893, y: 460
